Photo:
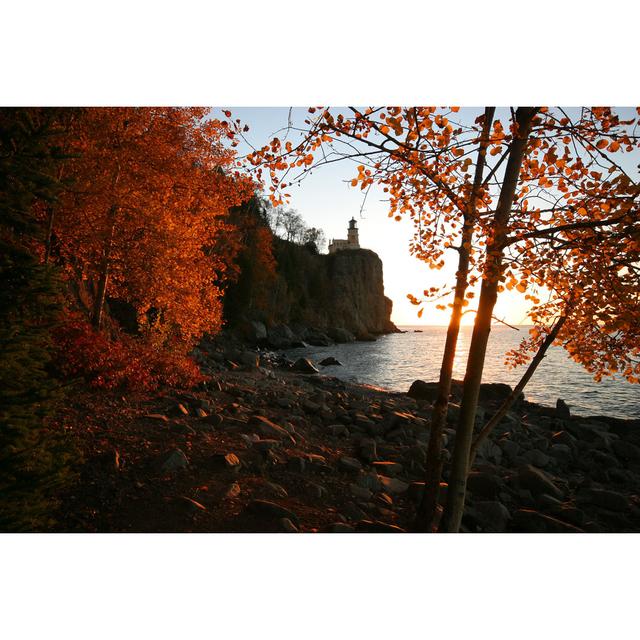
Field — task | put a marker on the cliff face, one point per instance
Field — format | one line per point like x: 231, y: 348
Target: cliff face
x: 344, y: 290
x: 357, y: 296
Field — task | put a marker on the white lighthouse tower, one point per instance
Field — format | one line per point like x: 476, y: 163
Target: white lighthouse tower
x: 352, y: 241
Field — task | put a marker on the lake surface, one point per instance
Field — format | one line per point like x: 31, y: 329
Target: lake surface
x: 395, y: 361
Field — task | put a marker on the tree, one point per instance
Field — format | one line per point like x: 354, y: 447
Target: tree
x: 149, y: 192
x: 33, y: 460
x: 547, y: 178
x: 315, y: 239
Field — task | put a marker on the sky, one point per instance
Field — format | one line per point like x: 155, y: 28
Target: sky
x: 326, y: 200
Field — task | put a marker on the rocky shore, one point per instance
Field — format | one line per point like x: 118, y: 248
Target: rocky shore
x: 268, y: 445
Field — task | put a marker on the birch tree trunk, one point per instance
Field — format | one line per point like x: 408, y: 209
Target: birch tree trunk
x: 101, y: 294
x: 452, y: 516
x: 429, y: 502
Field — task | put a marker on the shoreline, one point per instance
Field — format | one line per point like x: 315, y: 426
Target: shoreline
x: 263, y: 449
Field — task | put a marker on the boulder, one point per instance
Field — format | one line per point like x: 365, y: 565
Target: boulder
x: 221, y: 462
x: 288, y: 526
x: 340, y: 335
x: 535, y: 458
x: 340, y: 527
x: 626, y: 450
x: 531, y: 521
x: 611, y: 500
x: 491, y: 515
x: 269, y: 509
x: 361, y: 493
x: 281, y: 337
x: 562, y: 409
x: 330, y: 362
x: 387, y: 467
x: 270, y: 429
x: 537, y: 481
x: 484, y: 485
x: 423, y: 391
x: 303, y: 365
x: 393, y: 485
x: 249, y: 359
x: 317, y: 338
x: 175, y: 461
x: 350, y: 464
x: 252, y: 331
x: 496, y: 393
x: 368, y: 526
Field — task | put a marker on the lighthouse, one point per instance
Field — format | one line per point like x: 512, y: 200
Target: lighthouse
x: 352, y: 241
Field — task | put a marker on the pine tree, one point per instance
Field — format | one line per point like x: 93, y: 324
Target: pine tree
x: 33, y: 462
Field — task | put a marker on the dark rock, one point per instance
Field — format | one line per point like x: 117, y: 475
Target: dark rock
x: 453, y: 413
x: 496, y: 393
x: 222, y: 461
x: 330, y: 362
x: 317, y: 338
x: 509, y: 448
x: 537, y: 481
x: 288, y: 526
x: 340, y: 335
x: 484, y: 485
x: 535, y: 458
x: 561, y: 452
x: 393, y: 485
x: 416, y: 491
x: 369, y: 481
x: 175, y: 461
x: 157, y: 416
x: 340, y: 527
x: 280, y: 336
x: 361, y: 493
x: 564, y: 437
x: 626, y: 450
x: 368, y: 449
x: 267, y: 444
x: 310, y: 406
x: 530, y: 521
x: 249, y: 359
x: 303, y: 365
x: 272, y: 510
x: 252, y: 331
x: 181, y: 410
x: 270, y: 429
x: 215, y: 419
x: 368, y: 526
x: 350, y: 464
x: 491, y: 515
x: 192, y: 507
x: 611, y: 500
x: 562, y: 410
x: 425, y: 391
x: 387, y: 468
x: 296, y: 464
x: 233, y: 491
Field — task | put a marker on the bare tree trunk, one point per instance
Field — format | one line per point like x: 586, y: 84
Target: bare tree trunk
x: 101, y: 294
x: 506, y: 405
x: 429, y: 502
x: 48, y: 241
x: 452, y: 516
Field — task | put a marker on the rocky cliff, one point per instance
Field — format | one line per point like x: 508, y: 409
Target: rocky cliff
x: 339, y: 295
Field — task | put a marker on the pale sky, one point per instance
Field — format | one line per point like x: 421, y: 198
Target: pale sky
x: 325, y: 199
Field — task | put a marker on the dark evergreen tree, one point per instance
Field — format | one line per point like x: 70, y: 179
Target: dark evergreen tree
x: 33, y: 460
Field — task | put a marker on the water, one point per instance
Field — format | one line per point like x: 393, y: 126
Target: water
x: 395, y: 361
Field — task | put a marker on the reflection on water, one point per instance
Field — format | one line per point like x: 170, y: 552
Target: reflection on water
x: 396, y: 360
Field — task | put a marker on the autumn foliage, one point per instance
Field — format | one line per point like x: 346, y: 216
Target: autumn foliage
x: 148, y: 192
x: 85, y: 353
